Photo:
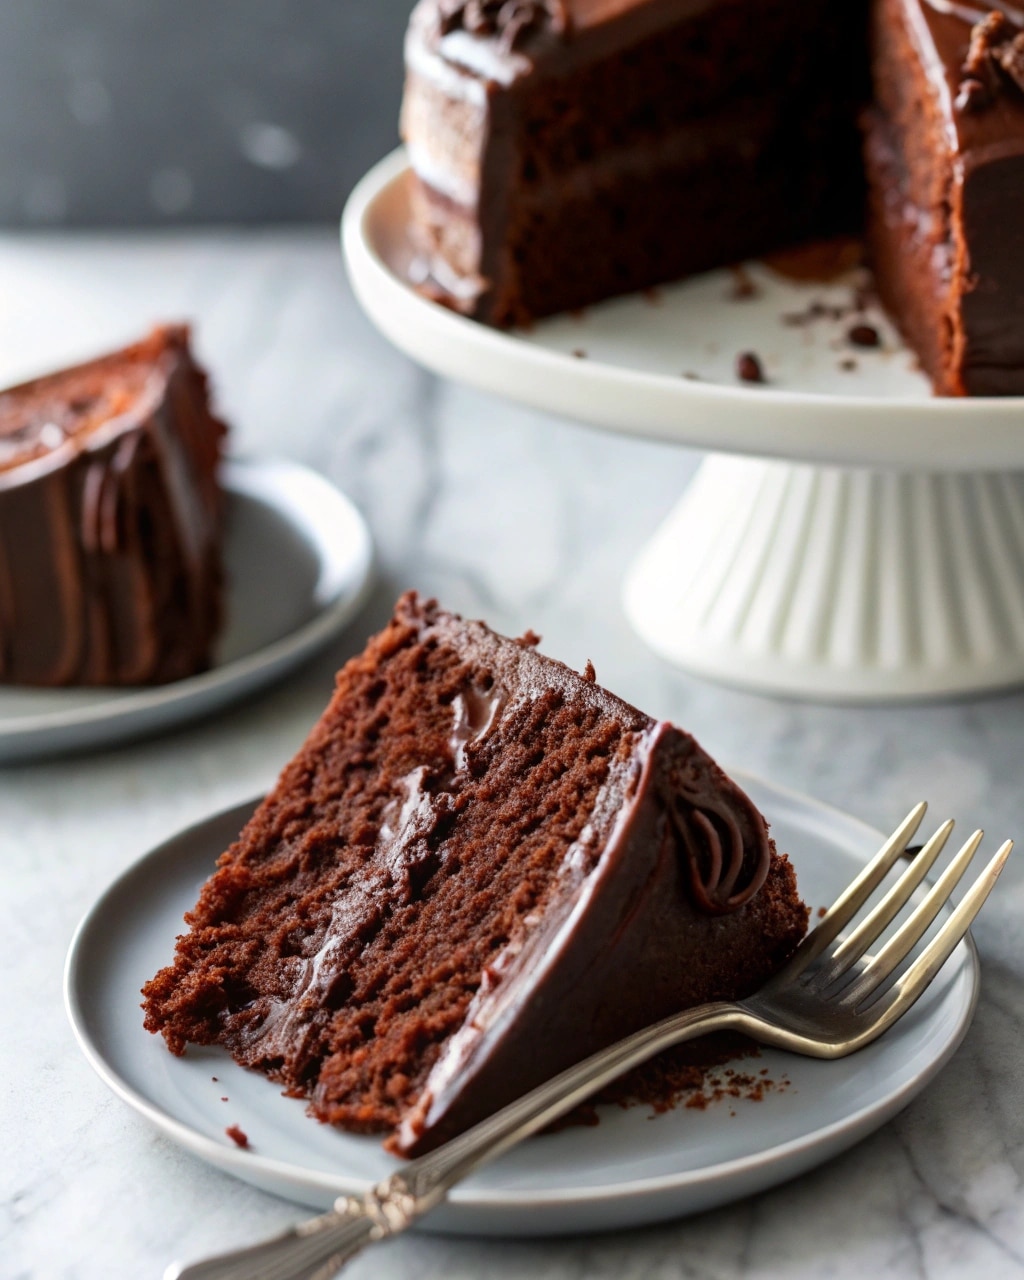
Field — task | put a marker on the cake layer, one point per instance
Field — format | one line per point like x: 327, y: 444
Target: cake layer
x: 110, y: 520
x: 480, y: 868
x: 625, y: 145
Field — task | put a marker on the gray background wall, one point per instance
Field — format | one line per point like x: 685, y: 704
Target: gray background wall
x: 143, y: 111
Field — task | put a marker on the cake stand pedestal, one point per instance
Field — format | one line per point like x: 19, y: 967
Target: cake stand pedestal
x: 872, y: 548
x: 838, y: 583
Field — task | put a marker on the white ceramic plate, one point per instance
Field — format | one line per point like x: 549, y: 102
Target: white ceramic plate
x: 629, y: 1169
x: 298, y: 562
x: 637, y: 350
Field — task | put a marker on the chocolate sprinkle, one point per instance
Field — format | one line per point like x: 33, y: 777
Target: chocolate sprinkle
x: 864, y: 335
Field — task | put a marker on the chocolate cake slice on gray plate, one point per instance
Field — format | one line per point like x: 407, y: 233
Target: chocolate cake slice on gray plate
x: 480, y: 868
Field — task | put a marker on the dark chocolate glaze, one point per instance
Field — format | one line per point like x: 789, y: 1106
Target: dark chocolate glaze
x: 631, y: 937
x: 110, y: 528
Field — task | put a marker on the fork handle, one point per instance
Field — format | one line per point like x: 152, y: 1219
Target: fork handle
x: 318, y: 1248
x: 314, y: 1250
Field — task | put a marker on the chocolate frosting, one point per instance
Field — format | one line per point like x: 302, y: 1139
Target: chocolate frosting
x: 606, y: 960
x: 981, y: 132
x: 110, y: 523
x: 513, y: 23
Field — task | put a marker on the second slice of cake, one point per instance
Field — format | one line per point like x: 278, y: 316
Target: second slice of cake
x: 479, y: 869
x: 111, y: 520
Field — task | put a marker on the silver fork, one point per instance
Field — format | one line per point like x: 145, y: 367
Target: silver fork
x: 831, y: 999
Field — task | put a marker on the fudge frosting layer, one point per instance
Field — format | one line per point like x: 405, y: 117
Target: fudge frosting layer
x: 480, y: 868
x: 110, y: 520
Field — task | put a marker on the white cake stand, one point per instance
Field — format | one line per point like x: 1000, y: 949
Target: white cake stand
x: 869, y: 546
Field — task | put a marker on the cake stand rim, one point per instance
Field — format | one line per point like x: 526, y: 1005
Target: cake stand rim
x: 875, y: 432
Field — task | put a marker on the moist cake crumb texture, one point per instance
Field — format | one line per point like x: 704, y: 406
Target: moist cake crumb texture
x: 467, y: 879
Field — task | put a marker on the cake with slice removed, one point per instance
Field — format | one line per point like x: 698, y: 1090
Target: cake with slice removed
x: 567, y: 151
x: 110, y: 520
x: 479, y: 869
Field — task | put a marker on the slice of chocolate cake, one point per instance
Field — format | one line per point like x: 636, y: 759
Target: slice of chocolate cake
x: 568, y: 150
x: 110, y: 520
x: 945, y: 153
x: 480, y: 868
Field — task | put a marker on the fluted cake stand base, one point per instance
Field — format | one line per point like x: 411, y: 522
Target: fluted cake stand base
x: 838, y: 583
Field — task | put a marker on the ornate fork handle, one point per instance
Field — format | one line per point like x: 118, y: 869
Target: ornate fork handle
x: 317, y: 1249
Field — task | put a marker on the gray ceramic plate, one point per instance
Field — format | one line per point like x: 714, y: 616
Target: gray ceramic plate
x: 298, y: 558
x: 630, y: 1169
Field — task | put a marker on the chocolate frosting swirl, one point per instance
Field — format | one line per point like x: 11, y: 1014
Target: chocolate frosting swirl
x: 728, y: 866
x: 512, y: 22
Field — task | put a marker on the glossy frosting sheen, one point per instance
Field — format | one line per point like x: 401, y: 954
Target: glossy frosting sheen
x: 109, y: 520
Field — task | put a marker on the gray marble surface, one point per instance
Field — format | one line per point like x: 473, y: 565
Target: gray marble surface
x: 526, y: 521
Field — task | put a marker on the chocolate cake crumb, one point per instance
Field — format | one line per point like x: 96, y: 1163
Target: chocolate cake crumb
x: 848, y: 365
x: 691, y: 376
x: 580, y: 354
x: 748, y: 367
x: 815, y: 310
x: 743, y: 286
x: 225, y: 1099
x: 238, y: 1136
x: 822, y: 912
x: 653, y: 296
x: 589, y: 673
x: 864, y: 335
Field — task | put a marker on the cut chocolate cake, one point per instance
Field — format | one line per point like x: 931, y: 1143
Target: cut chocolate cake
x: 480, y: 868
x: 568, y: 150
x: 110, y: 520
x: 565, y: 151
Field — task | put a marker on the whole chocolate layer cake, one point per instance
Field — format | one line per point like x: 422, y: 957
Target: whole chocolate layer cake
x: 110, y: 520
x: 479, y: 869
x: 565, y: 151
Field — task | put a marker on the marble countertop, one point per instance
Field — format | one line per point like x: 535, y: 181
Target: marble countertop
x: 528, y: 522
